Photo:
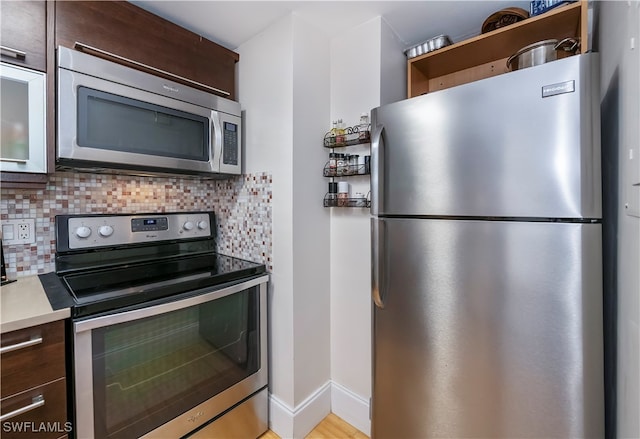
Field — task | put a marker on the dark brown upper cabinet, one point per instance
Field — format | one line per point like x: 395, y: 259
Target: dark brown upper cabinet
x: 23, y: 34
x: 127, y: 31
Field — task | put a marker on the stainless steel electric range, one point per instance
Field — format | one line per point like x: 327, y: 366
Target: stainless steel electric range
x: 169, y: 338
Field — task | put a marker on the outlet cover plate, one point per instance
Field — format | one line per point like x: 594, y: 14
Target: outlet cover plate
x: 19, y: 231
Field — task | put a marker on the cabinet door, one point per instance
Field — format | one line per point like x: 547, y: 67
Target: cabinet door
x: 39, y: 412
x: 23, y: 34
x: 23, y: 130
x: 31, y: 357
x: 133, y: 33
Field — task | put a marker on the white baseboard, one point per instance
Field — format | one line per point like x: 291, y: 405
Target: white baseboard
x: 351, y: 407
x: 280, y: 418
x: 296, y: 423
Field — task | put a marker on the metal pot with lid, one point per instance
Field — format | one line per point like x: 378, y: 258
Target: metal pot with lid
x: 542, y: 52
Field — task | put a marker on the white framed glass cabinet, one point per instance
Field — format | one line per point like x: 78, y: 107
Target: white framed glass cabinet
x: 23, y: 115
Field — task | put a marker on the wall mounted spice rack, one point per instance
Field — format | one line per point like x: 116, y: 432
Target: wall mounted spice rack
x: 351, y: 137
x: 345, y: 202
x: 334, y: 168
x: 331, y: 170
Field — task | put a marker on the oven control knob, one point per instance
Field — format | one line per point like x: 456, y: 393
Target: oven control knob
x: 188, y: 225
x: 83, y: 232
x: 105, y: 231
x: 202, y: 225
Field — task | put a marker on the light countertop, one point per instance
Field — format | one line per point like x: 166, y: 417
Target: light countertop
x: 24, y: 303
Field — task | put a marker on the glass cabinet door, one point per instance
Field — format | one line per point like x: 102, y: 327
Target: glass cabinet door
x: 22, y: 112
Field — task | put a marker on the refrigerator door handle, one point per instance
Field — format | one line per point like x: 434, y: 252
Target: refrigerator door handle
x: 377, y: 169
x: 377, y: 265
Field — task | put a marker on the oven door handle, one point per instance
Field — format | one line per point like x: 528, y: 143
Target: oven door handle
x: 127, y: 316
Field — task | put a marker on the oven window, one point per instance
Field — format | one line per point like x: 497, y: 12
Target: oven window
x: 149, y: 371
x: 117, y: 123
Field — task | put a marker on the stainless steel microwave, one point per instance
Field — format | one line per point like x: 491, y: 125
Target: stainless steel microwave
x: 113, y: 118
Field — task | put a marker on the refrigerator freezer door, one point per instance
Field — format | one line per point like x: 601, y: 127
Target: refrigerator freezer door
x: 489, y: 329
x: 494, y: 147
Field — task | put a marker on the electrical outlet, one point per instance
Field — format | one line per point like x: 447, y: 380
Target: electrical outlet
x: 20, y: 231
x: 24, y: 231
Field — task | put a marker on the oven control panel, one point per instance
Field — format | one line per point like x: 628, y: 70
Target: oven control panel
x: 85, y: 232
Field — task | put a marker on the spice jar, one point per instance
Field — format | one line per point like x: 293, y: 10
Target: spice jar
x: 340, y: 133
x: 343, y: 194
x: 353, y: 164
x: 332, y: 195
x: 333, y: 164
x: 363, y: 127
x: 347, y: 162
x: 339, y: 164
x: 361, y: 165
x: 331, y: 141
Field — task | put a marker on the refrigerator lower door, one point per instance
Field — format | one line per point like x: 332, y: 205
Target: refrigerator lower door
x: 487, y: 329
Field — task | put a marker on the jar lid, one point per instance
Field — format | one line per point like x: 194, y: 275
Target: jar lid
x: 333, y: 187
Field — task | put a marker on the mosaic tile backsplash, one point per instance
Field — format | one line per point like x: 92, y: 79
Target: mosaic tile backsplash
x: 242, y: 206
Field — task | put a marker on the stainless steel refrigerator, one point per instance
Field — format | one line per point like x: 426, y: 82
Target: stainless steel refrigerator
x: 487, y: 261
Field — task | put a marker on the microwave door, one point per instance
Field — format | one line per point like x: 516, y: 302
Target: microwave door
x: 106, y: 124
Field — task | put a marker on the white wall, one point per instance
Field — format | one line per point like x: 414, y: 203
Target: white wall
x: 293, y: 80
x: 355, y: 88
x: 284, y: 91
x: 619, y: 23
x: 310, y: 219
x: 367, y: 70
x: 266, y: 95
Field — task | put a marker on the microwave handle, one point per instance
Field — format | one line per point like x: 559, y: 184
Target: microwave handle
x: 126, y: 61
x: 216, y: 136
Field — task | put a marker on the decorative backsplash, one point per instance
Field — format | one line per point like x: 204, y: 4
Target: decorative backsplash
x: 242, y: 206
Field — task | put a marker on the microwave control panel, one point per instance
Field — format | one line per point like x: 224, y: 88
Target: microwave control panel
x: 230, y: 144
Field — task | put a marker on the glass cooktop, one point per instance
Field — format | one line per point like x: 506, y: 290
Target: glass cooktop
x: 130, y: 284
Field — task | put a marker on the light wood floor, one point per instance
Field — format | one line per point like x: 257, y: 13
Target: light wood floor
x: 331, y: 427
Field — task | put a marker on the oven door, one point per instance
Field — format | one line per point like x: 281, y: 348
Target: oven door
x: 165, y: 370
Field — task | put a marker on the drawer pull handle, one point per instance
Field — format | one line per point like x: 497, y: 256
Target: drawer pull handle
x: 15, y: 53
x: 19, y: 161
x: 25, y: 344
x: 121, y: 59
x: 37, y: 401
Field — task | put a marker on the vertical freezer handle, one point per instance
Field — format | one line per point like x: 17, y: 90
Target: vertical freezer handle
x: 377, y: 166
x: 377, y: 266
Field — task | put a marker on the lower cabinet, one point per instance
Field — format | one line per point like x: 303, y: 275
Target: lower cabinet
x: 34, y: 389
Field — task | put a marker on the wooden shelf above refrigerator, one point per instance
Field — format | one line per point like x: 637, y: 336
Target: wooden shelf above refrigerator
x: 486, y: 55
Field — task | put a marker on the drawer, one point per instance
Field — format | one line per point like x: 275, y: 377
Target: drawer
x: 47, y: 418
x: 37, y: 357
